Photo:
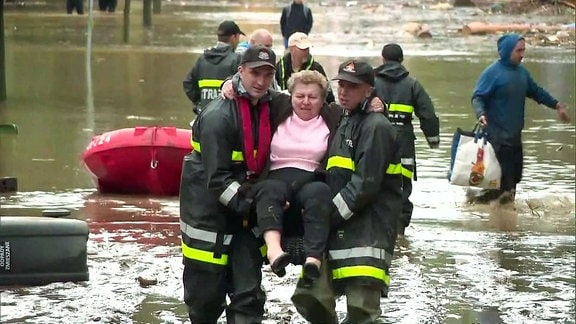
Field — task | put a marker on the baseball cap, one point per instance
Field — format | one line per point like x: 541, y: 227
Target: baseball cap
x: 229, y: 28
x: 256, y: 56
x: 392, y: 52
x: 356, y: 72
x: 299, y: 40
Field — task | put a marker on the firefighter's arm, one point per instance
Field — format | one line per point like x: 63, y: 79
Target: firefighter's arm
x: 374, y: 150
x: 424, y: 110
x: 190, y: 85
x: 216, y: 146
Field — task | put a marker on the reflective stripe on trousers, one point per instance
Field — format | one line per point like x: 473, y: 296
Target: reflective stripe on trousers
x: 205, y: 236
x: 361, y: 270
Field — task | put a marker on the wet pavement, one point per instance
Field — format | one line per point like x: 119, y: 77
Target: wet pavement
x: 459, y: 263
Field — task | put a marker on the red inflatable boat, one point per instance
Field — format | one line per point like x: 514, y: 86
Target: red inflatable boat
x: 140, y: 160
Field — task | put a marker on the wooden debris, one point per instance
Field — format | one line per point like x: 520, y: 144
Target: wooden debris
x: 535, y: 34
x: 481, y: 28
x: 417, y: 29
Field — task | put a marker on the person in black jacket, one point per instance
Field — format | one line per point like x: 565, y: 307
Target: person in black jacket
x: 202, y: 83
x: 405, y: 97
x: 221, y: 254
x: 296, y: 17
x: 364, y: 173
x: 297, y: 59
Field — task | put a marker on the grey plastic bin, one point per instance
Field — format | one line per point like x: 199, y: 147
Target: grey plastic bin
x: 38, y: 250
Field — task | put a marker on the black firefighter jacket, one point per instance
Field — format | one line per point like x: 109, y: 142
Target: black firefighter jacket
x: 212, y: 203
x: 202, y: 83
x: 405, y: 96
x: 364, y: 172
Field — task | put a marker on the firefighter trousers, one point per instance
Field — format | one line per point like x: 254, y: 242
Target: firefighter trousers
x: 317, y: 302
x: 205, y: 289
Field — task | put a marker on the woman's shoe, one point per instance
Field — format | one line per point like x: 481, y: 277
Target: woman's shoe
x: 310, y: 272
x: 280, y: 263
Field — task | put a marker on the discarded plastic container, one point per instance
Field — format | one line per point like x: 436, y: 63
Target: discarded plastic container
x: 38, y: 250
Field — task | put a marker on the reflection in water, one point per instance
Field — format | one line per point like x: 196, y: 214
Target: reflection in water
x: 458, y: 264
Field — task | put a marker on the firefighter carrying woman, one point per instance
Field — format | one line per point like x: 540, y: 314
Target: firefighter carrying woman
x: 260, y: 139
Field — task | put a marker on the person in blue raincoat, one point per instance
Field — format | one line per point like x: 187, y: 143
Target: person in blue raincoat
x: 499, y: 102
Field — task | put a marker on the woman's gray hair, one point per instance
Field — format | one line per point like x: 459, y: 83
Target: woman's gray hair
x: 309, y: 77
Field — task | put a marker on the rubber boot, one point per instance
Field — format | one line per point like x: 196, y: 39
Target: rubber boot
x: 316, y: 302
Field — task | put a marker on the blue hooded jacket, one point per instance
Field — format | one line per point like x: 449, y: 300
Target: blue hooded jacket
x: 501, y: 92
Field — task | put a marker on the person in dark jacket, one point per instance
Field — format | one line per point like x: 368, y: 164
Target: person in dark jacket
x: 296, y: 17
x: 202, y: 83
x: 297, y: 59
x: 498, y: 100
x: 365, y: 175
x: 405, y: 97
x: 221, y: 254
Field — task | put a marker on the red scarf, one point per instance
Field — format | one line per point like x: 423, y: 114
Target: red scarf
x: 255, y: 163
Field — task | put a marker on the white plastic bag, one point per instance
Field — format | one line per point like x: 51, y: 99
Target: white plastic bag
x: 473, y: 161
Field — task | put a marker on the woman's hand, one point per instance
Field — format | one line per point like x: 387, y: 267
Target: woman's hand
x: 227, y: 91
x: 377, y: 105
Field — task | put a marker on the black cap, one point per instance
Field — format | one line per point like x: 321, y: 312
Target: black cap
x: 256, y: 56
x: 356, y: 72
x: 392, y: 52
x: 229, y: 28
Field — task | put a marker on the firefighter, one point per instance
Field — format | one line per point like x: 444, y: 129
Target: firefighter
x: 202, y: 83
x: 364, y: 173
x: 221, y: 253
x: 405, y: 97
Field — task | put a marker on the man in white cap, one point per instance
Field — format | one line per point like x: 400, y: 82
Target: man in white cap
x: 297, y: 59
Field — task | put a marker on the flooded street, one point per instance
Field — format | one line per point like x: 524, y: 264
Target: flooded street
x: 459, y: 263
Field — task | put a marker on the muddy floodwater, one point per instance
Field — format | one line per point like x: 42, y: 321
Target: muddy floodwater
x: 459, y: 263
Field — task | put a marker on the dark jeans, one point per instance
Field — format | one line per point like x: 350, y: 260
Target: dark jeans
x: 313, y: 199
x: 511, y: 159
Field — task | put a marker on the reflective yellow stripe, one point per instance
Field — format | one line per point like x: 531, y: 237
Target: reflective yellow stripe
x: 401, y: 108
x: 263, y: 250
x: 394, y: 168
x: 237, y: 156
x: 210, y: 83
x: 196, y: 146
x: 361, y: 271
x: 203, y: 256
x: 340, y: 162
x: 407, y: 173
x: 347, y: 163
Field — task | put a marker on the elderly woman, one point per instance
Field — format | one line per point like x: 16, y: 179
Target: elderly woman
x: 302, y: 131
